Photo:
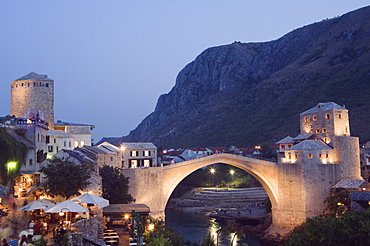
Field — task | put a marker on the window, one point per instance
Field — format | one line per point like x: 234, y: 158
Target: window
x: 327, y: 116
x: 340, y: 115
x: 327, y: 155
x: 306, y: 119
x: 50, y: 148
x: 311, y: 131
x: 346, y: 129
x: 111, y: 158
x: 55, y: 140
x: 65, y: 144
x: 323, y: 130
x: 76, y: 144
x: 82, y: 143
x: 134, y: 153
x: 133, y: 163
x: 47, y: 139
x: 30, y: 162
x: 146, y: 153
x: 289, y: 146
x: 282, y: 147
x: 70, y: 144
x: 317, y: 131
x: 146, y: 163
x: 310, y: 156
x: 296, y: 156
x: 289, y: 156
x: 320, y: 155
x: 314, y: 118
x: 38, y: 136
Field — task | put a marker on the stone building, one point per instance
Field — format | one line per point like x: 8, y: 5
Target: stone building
x: 32, y: 97
x: 322, y: 157
x: 80, y: 132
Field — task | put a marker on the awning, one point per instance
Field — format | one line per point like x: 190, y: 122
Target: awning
x: 126, y: 208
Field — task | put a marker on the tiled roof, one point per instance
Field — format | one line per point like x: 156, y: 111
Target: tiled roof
x: 324, y: 107
x: 58, y: 133
x: 360, y: 195
x: 34, y: 76
x: 303, y: 136
x: 349, y: 183
x: 287, y: 139
x: 310, y: 145
x: 138, y: 145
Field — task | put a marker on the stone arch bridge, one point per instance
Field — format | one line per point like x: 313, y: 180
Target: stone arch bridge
x: 296, y: 193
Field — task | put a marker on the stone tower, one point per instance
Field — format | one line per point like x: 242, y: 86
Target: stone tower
x: 32, y: 97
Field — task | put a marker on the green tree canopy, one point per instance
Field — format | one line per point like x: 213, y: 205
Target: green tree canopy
x: 65, y: 178
x: 115, y: 185
x: 351, y: 228
x: 10, y: 151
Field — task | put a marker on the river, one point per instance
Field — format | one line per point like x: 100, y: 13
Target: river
x: 194, y: 227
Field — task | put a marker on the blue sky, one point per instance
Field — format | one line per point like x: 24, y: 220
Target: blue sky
x: 111, y: 60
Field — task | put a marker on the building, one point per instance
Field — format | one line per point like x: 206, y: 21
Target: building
x: 59, y: 140
x: 32, y: 97
x: 80, y: 132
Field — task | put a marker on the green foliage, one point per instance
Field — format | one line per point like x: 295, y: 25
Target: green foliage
x: 40, y: 242
x: 64, y: 178
x: 351, y: 228
x: 10, y: 150
x: 159, y: 241
x: 115, y: 185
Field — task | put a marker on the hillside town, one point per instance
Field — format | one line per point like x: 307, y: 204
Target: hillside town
x: 31, y: 123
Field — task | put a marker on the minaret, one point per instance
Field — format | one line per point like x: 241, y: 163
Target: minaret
x: 32, y: 96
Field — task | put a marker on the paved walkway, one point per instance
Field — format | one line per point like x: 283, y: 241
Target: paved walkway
x: 124, y: 236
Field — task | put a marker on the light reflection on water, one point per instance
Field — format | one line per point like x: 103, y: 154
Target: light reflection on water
x: 194, y: 227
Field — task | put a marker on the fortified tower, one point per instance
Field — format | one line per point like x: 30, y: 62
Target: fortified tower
x: 32, y: 96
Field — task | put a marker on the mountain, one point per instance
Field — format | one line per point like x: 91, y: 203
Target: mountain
x: 252, y: 93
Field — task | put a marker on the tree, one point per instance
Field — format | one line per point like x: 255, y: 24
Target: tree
x: 10, y: 151
x: 65, y: 178
x: 115, y: 185
x: 350, y: 228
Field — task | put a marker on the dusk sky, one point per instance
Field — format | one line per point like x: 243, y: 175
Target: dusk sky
x: 111, y: 60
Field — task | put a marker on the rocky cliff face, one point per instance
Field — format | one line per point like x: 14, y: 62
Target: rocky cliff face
x: 252, y: 93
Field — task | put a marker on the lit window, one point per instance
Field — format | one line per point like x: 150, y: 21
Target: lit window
x: 133, y: 153
x: 82, y: 143
x: 310, y: 155
x: 289, y: 156
x: 306, y: 119
x: 314, y: 118
x: 146, y: 163
x: 320, y: 155
x: 327, y: 155
x: 311, y: 130
x: 324, y: 130
x: 340, y: 116
x: 282, y: 147
x: 146, y: 152
x: 133, y: 163
x: 289, y: 146
x: 76, y: 144
x: 327, y: 116
x: 346, y: 129
x: 296, y: 156
x: 317, y: 131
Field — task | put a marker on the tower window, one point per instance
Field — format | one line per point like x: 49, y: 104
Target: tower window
x: 47, y: 84
x: 340, y: 115
x: 346, y: 129
x: 324, y: 130
x: 327, y: 116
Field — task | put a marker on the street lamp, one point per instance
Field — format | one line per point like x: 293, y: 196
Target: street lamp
x: 232, y: 171
x: 11, y: 166
x: 212, y: 171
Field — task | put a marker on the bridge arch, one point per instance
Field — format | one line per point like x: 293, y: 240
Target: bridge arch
x: 264, y: 171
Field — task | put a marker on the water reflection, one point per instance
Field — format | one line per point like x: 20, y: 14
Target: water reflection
x: 194, y: 227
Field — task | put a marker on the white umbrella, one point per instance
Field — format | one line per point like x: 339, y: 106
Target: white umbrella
x: 66, y: 206
x: 34, y: 205
x: 92, y: 199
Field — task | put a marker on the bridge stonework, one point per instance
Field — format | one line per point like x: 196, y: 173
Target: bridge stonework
x: 296, y: 191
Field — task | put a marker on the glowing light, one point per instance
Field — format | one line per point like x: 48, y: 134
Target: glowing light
x: 364, y: 188
x: 340, y: 204
x: 212, y: 170
x: 127, y: 216
x: 123, y: 148
x: 257, y: 147
x: 29, y: 121
x: 61, y: 214
x: 151, y: 227
x: 232, y: 172
x: 11, y: 166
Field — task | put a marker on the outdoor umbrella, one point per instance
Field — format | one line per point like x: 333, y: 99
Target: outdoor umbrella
x: 92, y: 199
x: 66, y: 206
x: 35, y: 205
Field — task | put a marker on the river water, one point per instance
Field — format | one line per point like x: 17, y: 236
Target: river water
x: 194, y: 227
